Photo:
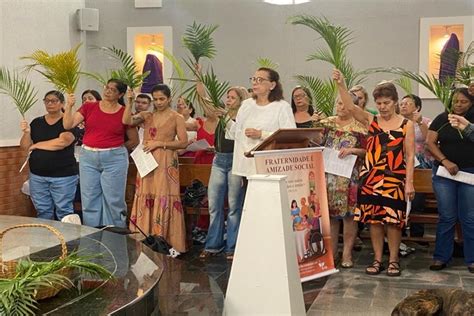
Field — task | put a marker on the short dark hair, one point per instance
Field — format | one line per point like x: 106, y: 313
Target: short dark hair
x: 385, y: 89
x: 416, y: 99
x: 143, y: 96
x: 121, y: 88
x: 57, y: 94
x: 277, y: 93
x: 308, y: 94
x: 162, y: 88
x: 96, y: 94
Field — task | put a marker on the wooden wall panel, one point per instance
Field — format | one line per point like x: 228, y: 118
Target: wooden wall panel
x: 12, y: 201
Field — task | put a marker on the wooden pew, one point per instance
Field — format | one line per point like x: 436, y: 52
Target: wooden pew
x: 423, y: 183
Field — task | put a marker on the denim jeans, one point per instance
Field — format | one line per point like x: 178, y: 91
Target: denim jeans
x: 454, y: 203
x: 50, y: 193
x: 222, y: 181
x: 103, y: 179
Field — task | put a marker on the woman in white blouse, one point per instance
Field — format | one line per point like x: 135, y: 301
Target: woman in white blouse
x: 258, y: 118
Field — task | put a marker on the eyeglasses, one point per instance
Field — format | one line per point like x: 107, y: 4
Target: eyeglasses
x: 52, y: 101
x: 258, y: 80
x: 113, y: 89
x: 299, y: 96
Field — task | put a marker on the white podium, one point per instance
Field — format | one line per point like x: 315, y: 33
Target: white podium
x: 264, y: 279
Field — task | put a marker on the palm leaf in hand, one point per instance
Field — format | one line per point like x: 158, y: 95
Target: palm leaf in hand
x: 62, y: 69
x: 19, y: 89
x: 198, y: 40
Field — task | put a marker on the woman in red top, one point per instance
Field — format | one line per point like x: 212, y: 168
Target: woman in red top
x: 206, y: 129
x: 104, y: 157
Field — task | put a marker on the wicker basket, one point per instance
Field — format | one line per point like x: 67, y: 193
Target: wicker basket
x: 8, y: 268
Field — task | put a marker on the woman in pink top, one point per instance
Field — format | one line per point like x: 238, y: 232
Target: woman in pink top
x: 104, y: 157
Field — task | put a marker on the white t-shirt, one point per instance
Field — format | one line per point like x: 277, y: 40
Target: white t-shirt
x: 267, y: 118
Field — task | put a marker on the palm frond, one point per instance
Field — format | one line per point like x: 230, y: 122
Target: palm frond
x: 323, y: 93
x: 19, y: 89
x: 214, y: 88
x: 338, y: 39
x: 102, y: 79
x: 17, y: 295
x: 465, y: 66
x: 442, y: 90
x: 405, y: 84
x: 62, y: 69
x: 128, y: 73
x: 267, y: 63
x: 198, y: 40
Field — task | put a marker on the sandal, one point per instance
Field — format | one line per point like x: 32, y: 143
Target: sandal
x: 206, y: 254
x: 393, y: 269
x: 375, y: 268
x: 347, y: 264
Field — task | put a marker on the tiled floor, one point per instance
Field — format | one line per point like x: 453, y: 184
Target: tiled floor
x: 349, y: 291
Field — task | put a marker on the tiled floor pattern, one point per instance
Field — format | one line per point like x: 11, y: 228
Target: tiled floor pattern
x: 350, y: 291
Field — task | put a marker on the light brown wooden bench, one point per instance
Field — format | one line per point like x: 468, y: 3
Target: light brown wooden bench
x: 423, y: 183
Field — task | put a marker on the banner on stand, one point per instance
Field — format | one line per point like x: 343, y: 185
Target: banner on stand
x: 308, y: 205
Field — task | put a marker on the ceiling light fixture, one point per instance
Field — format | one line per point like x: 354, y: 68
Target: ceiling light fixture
x: 286, y: 2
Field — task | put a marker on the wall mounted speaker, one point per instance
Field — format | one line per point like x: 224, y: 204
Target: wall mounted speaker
x: 87, y: 19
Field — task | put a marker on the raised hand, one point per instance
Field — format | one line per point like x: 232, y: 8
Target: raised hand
x: 71, y: 100
x: 25, y: 127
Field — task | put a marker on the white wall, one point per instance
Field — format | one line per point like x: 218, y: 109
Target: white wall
x: 26, y: 26
x: 386, y: 33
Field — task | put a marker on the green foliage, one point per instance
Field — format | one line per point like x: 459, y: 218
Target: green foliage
x: 338, y: 39
x: 267, y: 63
x: 17, y: 295
x: 19, y: 89
x: 323, y: 93
x: 443, y: 91
x: 214, y: 88
x: 405, y: 84
x: 198, y: 40
x: 465, y: 66
x: 62, y: 69
x: 128, y: 72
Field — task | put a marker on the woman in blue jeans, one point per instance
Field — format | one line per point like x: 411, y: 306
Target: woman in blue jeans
x: 223, y: 182
x: 53, y: 168
x: 103, y: 163
x: 455, y: 153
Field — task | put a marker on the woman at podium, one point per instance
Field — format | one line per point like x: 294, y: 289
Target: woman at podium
x: 258, y: 118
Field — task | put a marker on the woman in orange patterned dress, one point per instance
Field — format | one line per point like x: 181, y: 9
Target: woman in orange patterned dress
x: 157, y: 205
x: 387, y: 174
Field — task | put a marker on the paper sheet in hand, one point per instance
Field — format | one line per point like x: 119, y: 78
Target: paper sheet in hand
x: 461, y: 176
x: 408, y: 211
x: 145, y: 162
x: 335, y: 165
x: 24, y: 163
x: 201, y: 144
